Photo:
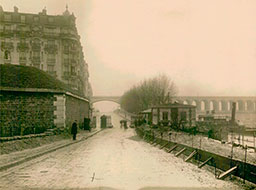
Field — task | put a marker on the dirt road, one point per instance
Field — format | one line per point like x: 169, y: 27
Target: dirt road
x: 115, y: 158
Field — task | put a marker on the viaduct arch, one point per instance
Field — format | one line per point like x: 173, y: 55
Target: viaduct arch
x: 220, y: 104
x: 115, y: 99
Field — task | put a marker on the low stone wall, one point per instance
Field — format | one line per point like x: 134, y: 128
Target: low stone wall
x: 23, y: 113
x: 33, y: 111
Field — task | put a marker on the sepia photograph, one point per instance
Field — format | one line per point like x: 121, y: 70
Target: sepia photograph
x: 127, y: 95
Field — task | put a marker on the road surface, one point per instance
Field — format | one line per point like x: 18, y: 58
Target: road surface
x: 113, y: 159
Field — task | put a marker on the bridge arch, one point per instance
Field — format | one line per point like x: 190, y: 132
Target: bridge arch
x: 115, y: 99
x: 185, y: 102
x: 211, y: 106
x: 220, y: 106
x: 193, y: 103
x: 202, y: 104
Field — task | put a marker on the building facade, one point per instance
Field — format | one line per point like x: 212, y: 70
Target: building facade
x: 174, y: 114
x: 48, y: 42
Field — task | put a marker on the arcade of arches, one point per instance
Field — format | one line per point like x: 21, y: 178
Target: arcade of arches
x: 221, y: 104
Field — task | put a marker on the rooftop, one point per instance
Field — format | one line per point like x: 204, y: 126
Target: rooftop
x: 17, y: 76
x: 174, y: 105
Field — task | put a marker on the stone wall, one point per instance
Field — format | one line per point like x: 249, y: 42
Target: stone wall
x: 76, y: 109
x: 28, y: 112
x: 25, y: 112
x: 60, y: 110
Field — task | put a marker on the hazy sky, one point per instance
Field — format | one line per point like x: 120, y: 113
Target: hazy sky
x: 208, y: 47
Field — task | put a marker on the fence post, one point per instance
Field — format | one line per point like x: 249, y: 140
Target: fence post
x: 200, y: 142
x: 231, y: 156
x: 199, y: 155
x: 215, y: 170
x: 254, y: 143
x: 245, y: 155
x: 170, y: 136
x: 192, y: 141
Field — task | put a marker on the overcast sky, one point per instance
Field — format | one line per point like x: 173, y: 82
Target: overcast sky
x: 208, y: 47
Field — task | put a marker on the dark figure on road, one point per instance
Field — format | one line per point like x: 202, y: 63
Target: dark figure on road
x: 74, y: 130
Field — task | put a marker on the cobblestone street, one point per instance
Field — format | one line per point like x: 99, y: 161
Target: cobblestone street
x: 114, y: 158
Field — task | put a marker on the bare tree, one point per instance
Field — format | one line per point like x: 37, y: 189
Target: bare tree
x: 153, y: 91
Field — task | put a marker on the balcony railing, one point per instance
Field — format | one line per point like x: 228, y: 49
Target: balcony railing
x: 51, y: 61
x: 51, y: 48
x: 36, y: 59
x: 22, y: 59
x: 7, y: 45
x: 53, y: 73
x: 23, y: 46
x: 36, y: 46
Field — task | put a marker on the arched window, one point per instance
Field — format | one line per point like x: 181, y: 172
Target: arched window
x: 7, y: 55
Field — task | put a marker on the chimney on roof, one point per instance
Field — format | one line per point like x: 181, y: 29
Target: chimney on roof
x: 44, y: 11
x: 66, y: 13
x: 16, y: 10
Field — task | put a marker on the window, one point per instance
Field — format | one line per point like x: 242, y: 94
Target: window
x: 51, y: 56
x: 36, y: 19
x: 183, y: 116
x: 22, y: 18
x: 66, y: 48
x: 7, y: 17
x: 8, y: 28
x: 22, y: 56
x: 165, y: 115
x: 7, y: 55
x: 36, y: 66
x: 73, y: 70
x: 51, y: 19
x: 22, y: 40
x: 50, y: 30
x: 36, y: 54
x: 66, y: 69
x: 51, y: 42
x: 50, y: 68
x: 24, y: 28
x: 66, y: 61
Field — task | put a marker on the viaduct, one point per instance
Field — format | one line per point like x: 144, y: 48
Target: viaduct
x: 220, y: 104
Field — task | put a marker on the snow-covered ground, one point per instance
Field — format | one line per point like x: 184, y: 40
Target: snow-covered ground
x: 114, y: 158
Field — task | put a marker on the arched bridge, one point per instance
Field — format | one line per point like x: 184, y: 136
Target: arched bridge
x: 115, y: 99
x: 220, y: 104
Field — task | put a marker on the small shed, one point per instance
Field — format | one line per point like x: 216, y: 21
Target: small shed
x: 174, y: 114
x: 145, y: 115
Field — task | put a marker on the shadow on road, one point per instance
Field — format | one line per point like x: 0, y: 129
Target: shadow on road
x: 135, y: 138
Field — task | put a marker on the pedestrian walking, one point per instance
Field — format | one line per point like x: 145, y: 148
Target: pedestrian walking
x: 74, y: 130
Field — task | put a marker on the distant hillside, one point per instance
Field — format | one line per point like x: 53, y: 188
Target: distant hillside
x: 17, y: 76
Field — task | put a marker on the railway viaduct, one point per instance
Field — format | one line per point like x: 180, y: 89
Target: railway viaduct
x: 220, y: 104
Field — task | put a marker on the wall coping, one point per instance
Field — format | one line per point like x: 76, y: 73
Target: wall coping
x: 75, y: 96
x: 31, y: 90
x: 43, y: 90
